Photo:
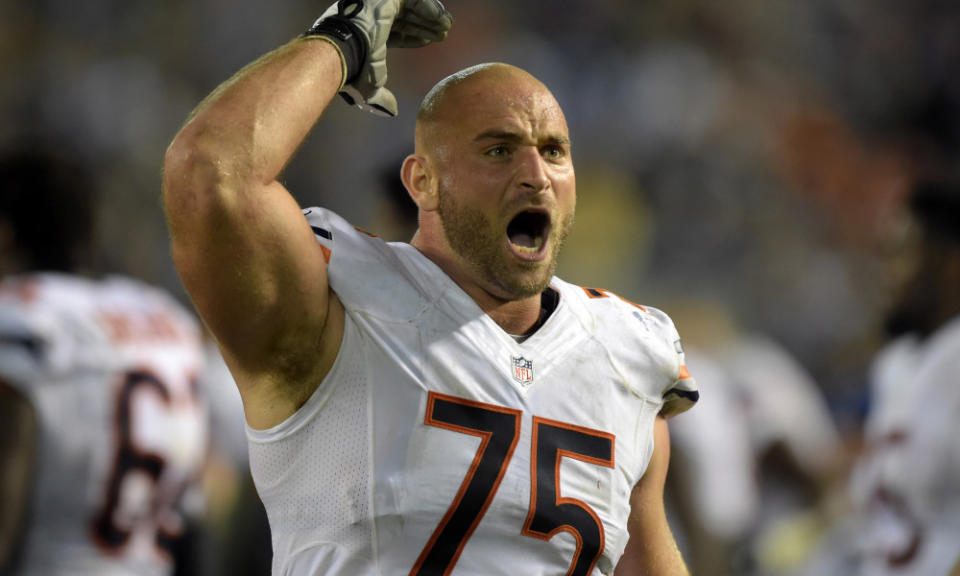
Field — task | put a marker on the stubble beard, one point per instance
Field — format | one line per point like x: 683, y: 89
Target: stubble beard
x: 479, y: 244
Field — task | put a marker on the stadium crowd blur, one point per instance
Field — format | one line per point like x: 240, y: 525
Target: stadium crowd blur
x: 742, y: 164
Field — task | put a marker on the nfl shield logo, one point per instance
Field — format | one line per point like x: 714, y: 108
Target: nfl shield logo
x: 522, y: 370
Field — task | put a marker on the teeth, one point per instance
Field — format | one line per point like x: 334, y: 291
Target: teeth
x: 537, y: 243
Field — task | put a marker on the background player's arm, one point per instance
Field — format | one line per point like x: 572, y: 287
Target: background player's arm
x: 239, y: 240
x: 652, y: 548
x: 18, y: 434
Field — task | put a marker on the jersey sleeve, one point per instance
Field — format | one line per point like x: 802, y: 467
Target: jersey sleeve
x: 644, y: 346
x: 364, y: 271
x: 682, y: 393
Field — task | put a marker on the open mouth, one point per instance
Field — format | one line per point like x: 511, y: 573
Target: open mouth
x: 528, y: 231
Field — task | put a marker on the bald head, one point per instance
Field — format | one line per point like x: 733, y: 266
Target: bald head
x: 433, y: 102
x: 450, y: 98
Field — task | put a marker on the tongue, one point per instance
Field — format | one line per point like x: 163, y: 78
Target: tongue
x: 523, y: 239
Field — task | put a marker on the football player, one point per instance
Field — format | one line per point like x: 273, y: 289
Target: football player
x: 102, y: 427
x: 444, y: 406
x: 906, y: 485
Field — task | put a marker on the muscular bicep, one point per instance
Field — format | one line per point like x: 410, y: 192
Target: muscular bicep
x: 253, y: 269
x: 17, y: 454
x: 651, y: 548
x: 240, y: 242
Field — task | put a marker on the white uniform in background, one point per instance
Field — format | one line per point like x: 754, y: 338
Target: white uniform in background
x: 713, y: 447
x: 438, y: 444
x: 907, y: 484
x: 783, y: 403
x: 110, y: 369
x: 760, y: 397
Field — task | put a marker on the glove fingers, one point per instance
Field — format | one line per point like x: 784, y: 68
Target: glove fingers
x: 412, y: 36
x: 382, y: 102
x: 402, y: 23
x: 427, y: 11
x: 411, y: 30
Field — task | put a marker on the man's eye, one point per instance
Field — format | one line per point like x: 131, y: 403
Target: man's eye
x: 553, y: 152
x: 498, y: 152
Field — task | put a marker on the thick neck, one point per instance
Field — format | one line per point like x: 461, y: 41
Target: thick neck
x: 513, y: 316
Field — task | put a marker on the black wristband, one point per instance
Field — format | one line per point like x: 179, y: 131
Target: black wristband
x: 348, y: 37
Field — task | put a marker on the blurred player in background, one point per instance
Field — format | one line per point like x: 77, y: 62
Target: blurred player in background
x: 103, y: 430
x: 444, y: 406
x: 757, y: 463
x: 236, y: 536
x: 906, y: 485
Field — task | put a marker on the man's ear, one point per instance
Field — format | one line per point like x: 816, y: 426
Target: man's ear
x: 419, y: 181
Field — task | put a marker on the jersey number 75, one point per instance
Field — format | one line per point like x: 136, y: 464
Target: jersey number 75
x: 549, y: 513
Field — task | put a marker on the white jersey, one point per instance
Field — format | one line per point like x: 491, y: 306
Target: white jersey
x: 907, y: 485
x: 437, y: 444
x: 713, y: 443
x: 783, y: 403
x: 109, y: 368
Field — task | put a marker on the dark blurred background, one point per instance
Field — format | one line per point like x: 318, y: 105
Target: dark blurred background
x: 745, y: 151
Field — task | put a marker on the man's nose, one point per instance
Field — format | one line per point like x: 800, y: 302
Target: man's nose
x: 532, y: 169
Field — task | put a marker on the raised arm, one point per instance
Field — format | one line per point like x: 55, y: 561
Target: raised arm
x: 239, y: 240
x: 652, y: 548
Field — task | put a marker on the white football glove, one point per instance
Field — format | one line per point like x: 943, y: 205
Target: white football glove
x: 363, y: 29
